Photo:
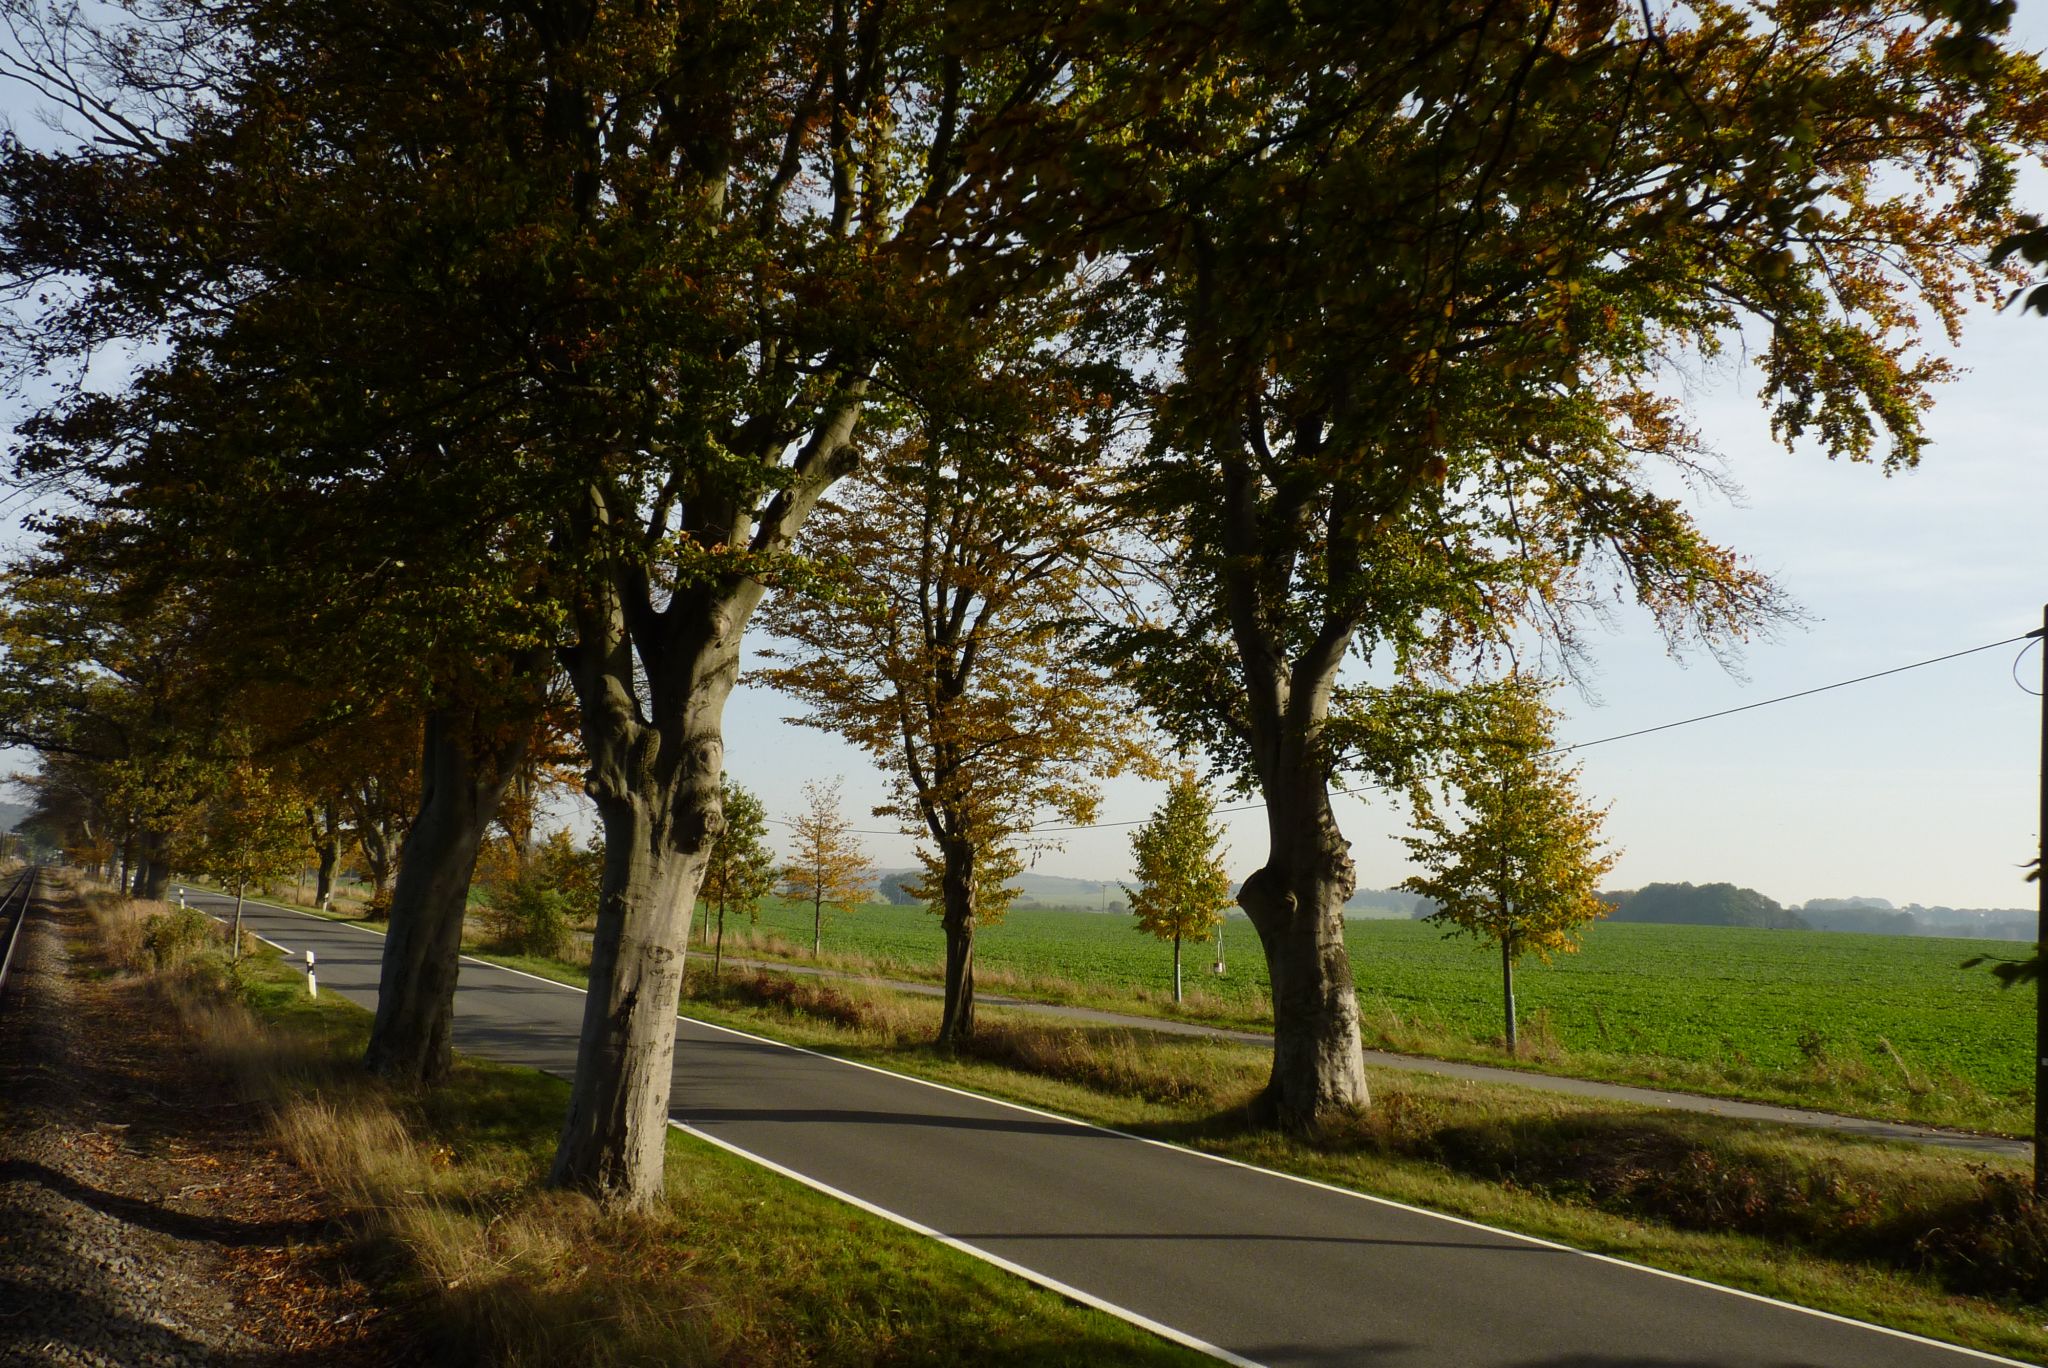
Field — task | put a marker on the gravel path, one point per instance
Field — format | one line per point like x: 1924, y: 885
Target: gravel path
x: 143, y: 1221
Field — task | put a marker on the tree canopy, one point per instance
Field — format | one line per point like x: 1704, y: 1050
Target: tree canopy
x: 458, y: 345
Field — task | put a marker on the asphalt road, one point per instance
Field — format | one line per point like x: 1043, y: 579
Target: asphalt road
x: 1253, y: 1266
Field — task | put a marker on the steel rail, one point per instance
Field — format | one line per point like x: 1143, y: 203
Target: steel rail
x: 23, y: 887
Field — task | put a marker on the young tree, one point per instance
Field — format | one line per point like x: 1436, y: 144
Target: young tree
x: 1183, y: 886
x: 253, y: 830
x: 742, y: 870
x: 952, y: 649
x: 826, y: 866
x: 1521, y: 865
x: 571, y: 870
x: 1419, y: 305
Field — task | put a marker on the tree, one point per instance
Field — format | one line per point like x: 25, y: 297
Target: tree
x: 1714, y: 904
x: 1418, y: 306
x: 1182, y: 884
x: 951, y: 646
x: 742, y: 869
x: 253, y: 831
x: 826, y: 866
x: 1522, y: 864
x: 560, y: 864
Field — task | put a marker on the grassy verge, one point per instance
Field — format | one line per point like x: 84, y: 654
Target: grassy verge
x: 454, y: 1226
x: 1904, y: 1236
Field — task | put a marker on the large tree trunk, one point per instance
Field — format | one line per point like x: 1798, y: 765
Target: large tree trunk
x: 959, y: 894
x: 153, y: 870
x: 660, y: 804
x: 658, y: 795
x: 462, y: 779
x: 327, y: 850
x: 1296, y: 902
x: 376, y: 846
x: 652, y: 672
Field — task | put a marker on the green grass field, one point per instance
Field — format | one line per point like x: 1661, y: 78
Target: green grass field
x: 1892, y: 1024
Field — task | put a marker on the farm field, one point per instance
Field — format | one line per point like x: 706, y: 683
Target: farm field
x: 1879, y: 1025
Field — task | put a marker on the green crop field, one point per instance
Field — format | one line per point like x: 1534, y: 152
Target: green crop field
x: 1899, y: 1014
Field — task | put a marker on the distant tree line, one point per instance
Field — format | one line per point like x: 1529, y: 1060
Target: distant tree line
x: 1727, y: 904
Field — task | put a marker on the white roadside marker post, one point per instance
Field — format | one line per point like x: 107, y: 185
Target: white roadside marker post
x: 312, y: 982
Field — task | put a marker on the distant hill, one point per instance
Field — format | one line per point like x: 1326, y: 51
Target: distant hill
x: 1388, y: 902
x: 1033, y: 890
x: 1873, y: 921
x: 1880, y: 917
x: 11, y: 815
x: 1725, y: 904
x: 1714, y: 904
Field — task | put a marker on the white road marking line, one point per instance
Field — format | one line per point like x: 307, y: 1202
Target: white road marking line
x: 226, y: 921
x: 1122, y: 1313
x: 1538, y: 1241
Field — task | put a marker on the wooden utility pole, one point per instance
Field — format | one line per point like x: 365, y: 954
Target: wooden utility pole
x: 2041, y: 940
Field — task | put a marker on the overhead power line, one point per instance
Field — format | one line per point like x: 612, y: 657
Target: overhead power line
x: 1576, y: 745
x: 1787, y: 698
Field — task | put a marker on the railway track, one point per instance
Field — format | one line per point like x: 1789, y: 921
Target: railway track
x: 14, y: 911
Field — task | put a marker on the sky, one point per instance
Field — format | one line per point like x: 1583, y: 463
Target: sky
x: 1921, y: 787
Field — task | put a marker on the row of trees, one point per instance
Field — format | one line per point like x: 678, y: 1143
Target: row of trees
x: 1272, y: 370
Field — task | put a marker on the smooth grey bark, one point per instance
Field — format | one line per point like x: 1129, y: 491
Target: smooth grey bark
x: 656, y: 760
x: 1296, y: 900
x: 960, y: 902
x: 464, y: 768
x: 657, y: 792
x: 1176, y: 968
x: 1296, y: 903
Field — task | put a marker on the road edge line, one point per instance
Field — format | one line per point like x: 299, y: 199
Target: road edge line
x: 1071, y: 1293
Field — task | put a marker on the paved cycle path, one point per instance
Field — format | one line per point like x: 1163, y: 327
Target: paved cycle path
x: 1253, y: 1266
